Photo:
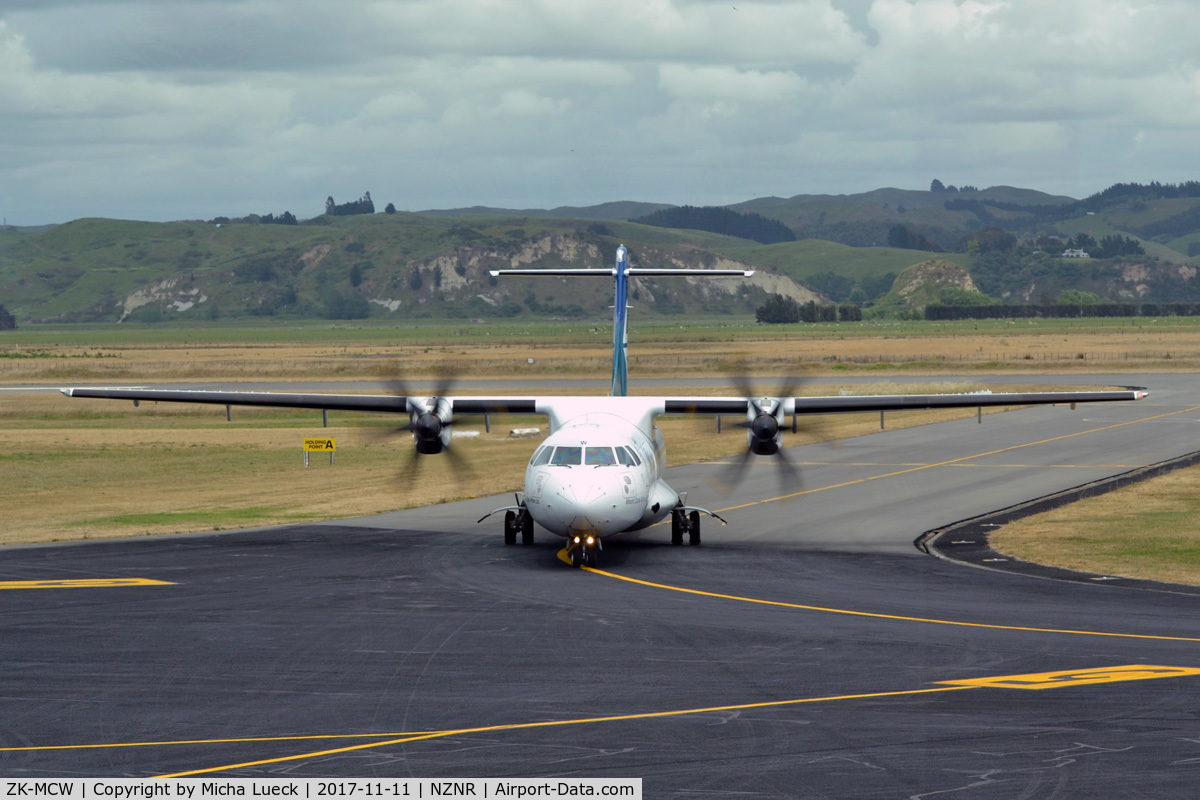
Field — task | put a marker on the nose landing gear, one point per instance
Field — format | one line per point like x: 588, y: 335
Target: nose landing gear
x: 583, y: 550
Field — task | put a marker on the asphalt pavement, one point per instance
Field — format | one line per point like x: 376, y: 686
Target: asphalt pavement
x: 807, y: 649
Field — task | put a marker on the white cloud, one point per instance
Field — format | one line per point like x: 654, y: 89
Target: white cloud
x: 231, y: 106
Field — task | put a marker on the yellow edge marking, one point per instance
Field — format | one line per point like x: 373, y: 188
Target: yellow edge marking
x: 82, y: 583
x: 1054, y: 680
x: 874, y: 615
x: 564, y: 722
x: 956, y: 460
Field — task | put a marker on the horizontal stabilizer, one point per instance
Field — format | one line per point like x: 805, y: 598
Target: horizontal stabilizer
x: 632, y: 272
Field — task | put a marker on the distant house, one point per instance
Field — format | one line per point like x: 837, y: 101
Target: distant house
x: 1073, y: 253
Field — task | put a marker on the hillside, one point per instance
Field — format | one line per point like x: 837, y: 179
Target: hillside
x: 382, y: 265
x: 434, y: 264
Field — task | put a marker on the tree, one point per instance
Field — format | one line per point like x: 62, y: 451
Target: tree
x: 1114, y: 246
x: 900, y: 236
x: 778, y: 310
x: 7, y: 321
x: 936, y: 186
x: 991, y: 239
x: 958, y: 296
x: 849, y: 313
x: 363, y: 205
x: 1078, y: 297
x: 391, y: 208
x: 1082, y: 241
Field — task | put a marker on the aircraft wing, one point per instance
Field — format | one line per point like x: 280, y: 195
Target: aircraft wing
x: 898, y: 402
x: 388, y: 404
x: 395, y: 404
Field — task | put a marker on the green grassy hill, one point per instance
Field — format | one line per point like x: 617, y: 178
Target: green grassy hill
x: 435, y: 264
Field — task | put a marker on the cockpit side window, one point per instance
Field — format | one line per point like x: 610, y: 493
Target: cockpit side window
x: 625, y: 457
x: 633, y: 453
x: 541, y: 457
x: 567, y: 457
x: 599, y: 457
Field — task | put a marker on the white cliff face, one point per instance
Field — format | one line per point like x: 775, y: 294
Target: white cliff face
x: 163, y: 291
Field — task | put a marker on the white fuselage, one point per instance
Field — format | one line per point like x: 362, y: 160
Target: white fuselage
x: 600, y: 471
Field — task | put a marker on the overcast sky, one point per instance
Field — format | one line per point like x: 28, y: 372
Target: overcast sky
x: 155, y: 110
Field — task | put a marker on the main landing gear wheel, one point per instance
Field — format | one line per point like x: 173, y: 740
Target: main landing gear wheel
x: 518, y: 522
x: 682, y: 523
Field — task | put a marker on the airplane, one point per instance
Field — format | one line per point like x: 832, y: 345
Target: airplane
x: 599, y: 472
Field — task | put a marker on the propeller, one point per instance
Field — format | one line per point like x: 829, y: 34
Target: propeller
x: 430, y: 424
x: 764, y: 427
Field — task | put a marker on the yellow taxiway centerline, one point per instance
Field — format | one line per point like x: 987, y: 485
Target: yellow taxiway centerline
x: 82, y: 583
x: 876, y: 615
x: 567, y: 722
x: 1036, y: 681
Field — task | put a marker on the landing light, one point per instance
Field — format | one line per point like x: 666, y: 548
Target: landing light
x: 591, y: 540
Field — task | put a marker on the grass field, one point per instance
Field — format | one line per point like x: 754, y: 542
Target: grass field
x: 1150, y: 530
x: 699, y: 347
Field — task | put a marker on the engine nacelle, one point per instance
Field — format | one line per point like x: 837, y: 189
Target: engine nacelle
x: 765, y: 431
x: 431, y: 421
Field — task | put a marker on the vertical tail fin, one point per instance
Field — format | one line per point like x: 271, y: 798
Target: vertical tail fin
x: 620, y: 367
x: 622, y: 272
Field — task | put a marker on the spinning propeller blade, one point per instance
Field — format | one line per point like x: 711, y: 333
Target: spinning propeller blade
x: 764, y: 434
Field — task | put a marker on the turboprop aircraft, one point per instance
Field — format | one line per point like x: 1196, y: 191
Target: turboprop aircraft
x: 600, y: 470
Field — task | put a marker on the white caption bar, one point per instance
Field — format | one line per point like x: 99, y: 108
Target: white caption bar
x: 422, y: 788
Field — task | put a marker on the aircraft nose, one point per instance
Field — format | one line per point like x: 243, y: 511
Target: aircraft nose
x: 589, y: 501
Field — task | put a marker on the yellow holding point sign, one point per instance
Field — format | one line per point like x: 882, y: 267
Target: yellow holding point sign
x: 323, y: 445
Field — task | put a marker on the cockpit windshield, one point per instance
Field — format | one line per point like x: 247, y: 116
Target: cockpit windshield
x: 599, y: 457
x: 577, y: 456
x: 566, y: 457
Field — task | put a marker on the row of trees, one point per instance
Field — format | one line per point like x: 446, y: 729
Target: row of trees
x: 784, y: 310
x: 286, y: 218
x: 937, y: 186
x: 1061, y: 310
x: 905, y: 238
x: 363, y: 205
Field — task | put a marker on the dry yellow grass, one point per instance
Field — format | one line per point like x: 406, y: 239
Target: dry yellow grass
x: 1150, y: 530
x: 1119, y: 349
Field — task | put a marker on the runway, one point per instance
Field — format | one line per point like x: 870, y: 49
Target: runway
x: 806, y: 650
